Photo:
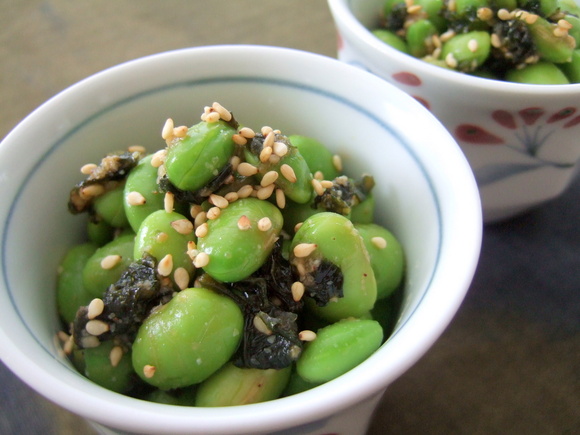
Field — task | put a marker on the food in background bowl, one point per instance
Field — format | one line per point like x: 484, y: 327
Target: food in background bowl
x: 188, y: 290
x: 526, y: 41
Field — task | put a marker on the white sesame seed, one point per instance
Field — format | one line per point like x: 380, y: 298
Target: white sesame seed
x: 472, y: 45
x: 201, y: 260
x: 116, y: 355
x: 274, y: 159
x: 484, y: 13
x: 194, y: 210
x: 213, y: 213
x: 269, y: 140
x: 231, y: 196
x: 247, y: 132
x: 297, y: 290
x: 265, y: 192
x: 327, y: 184
x: 92, y: 190
x: 200, y: 219
x: 168, y: 202
x: 379, y: 242
x: 212, y: 117
x: 69, y: 345
x: 161, y: 237
x: 318, y: 175
x: 167, y: 131
x: 265, y: 154
x: 560, y: 32
x: 246, y: 169
x: 280, y: 198
x: 337, y: 162
x: 307, y: 335
x: 495, y: 40
x: 218, y: 201
x: 239, y: 139
x: 135, y: 198
x: 504, y: 15
x: 317, y: 187
x: 180, y: 131
x: 531, y: 18
x: 265, y: 130
x: 182, y: 226
x: 224, y: 113
x: 261, y: 326
x: 245, y: 191
x: 137, y: 149
x: 264, y: 224
x: 158, y: 158
x: 244, y: 223
x: 148, y: 371
x: 288, y: 173
x: 165, y: 266
x: 202, y: 230
x: 304, y: 249
x: 62, y: 336
x: 181, y: 278
x: 110, y: 261
x: 95, y: 308
x: 450, y: 60
x: 96, y: 327
x: 447, y: 35
x: 297, y: 226
x: 88, y: 168
x: 280, y: 148
x: 414, y: 9
x: 90, y: 342
x: 269, y: 178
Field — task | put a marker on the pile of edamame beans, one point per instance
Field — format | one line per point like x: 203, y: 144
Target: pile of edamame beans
x: 229, y: 267
x: 521, y: 41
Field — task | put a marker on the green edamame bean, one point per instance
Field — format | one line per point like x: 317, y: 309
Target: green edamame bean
x: 97, y: 366
x: 544, y: 8
x: 109, y: 207
x: 391, y: 39
x: 107, y: 264
x: 338, y: 348
x: 541, y: 73
x: 467, y: 51
x: 166, y: 236
x: 181, y: 397
x: 188, y: 339
x: 317, y: 156
x: 510, y: 5
x: 364, y: 211
x: 70, y: 291
x: 240, y: 239
x: 100, y: 232
x: 198, y: 157
x: 297, y: 385
x: 336, y: 240
x: 434, y: 11
x: 141, y: 195
x: 233, y: 386
x: 387, y: 259
x: 419, y: 35
x: 572, y: 68
x: 551, y: 48
x: 569, y: 6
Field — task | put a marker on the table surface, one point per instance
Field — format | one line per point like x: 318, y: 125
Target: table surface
x: 510, y: 360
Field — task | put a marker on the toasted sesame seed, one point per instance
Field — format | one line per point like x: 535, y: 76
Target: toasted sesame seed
x: 297, y: 290
x: 414, y: 9
x: 307, y: 335
x: 247, y: 132
x: 304, y: 249
x: 531, y: 18
x: 225, y: 114
x: 231, y: 196
x: 165, y: 266
x: 318, y: 175
x: 202, y: 230
x: 318, y: 189
x: 246, y: 169
x: 201, y: 260
x: 158, y: 158
x: 135, y: 198
x: 269, y: 140
x: 218, y: 201
x: 264, y: 224
x: 269, y: 178
x: 88, y: 168
x: 116, y: 355
x: 280, y: 148
x: 212, y: 117
x: 137, y: 149
x: 239, y: 139
x: 265, y: 130
x: 148, y: 371
x: 450, y: 60
x: 472, y: 45
x: 327, y: 184
x: 180, y: 131
x: 213, y: 213
x: 337, y: 162
x: 62, y: 336
x: 95, y: 308
x: 167, y: 131
x: 560, y: 32
x: 194, y: 210
x: 379, y: 242
x: 110, y: 261
x: 69, y: 345
x: 280, y: 198
x: 297, y: 226
x: 92, y: 190
x: 200, y: 219
x: 169, y: 202
x: 288, y: 173
x: 495, y: 40
x: 181, y: 278
x: 265, y: 154
x: 96, y: 327
x: 261, y: 326
x: 161, y: 237
x: 484, y: 13
x: 265, y: 192
x: 245, y: 191
x: 235, y: 161
x: 182, y: 226
x: 89, y: 342
x: 504, y: 15
x: 244, y: 223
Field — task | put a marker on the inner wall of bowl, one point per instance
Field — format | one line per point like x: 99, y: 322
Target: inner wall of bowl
x: 406, y: 200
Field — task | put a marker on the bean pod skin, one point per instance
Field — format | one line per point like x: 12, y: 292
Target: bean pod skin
x: 339, y: 242
x: 197, y: 158
x: 188, y: 339
x: 235, y: 253
x: 338, y: 348
x: 232, y: 386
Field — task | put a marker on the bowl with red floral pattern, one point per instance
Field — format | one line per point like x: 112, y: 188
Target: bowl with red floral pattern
x: 521, y: 140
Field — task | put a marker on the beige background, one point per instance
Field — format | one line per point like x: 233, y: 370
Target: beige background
x: 510, y: 361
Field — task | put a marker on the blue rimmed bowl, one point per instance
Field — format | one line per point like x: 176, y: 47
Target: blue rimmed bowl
x: 426, y: 194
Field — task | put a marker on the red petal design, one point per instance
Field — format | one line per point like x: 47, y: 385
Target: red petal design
x: 531, y: 114
x: 476, y: 135
x: 339, y: 41
x: 572, y: 122
x: 422, y: 101
x: 407, y: 78
x: 562, y: 114
x: 504, y: 118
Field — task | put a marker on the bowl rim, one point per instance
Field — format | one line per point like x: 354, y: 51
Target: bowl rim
x: 350, y: 27
x: 53, y: 387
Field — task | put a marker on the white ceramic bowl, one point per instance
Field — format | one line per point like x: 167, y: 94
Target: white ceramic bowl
x: 521, y: 140
x: 426, y: 195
